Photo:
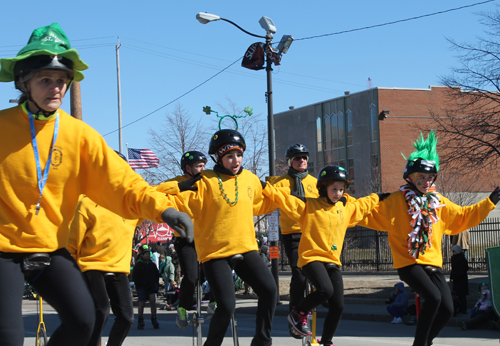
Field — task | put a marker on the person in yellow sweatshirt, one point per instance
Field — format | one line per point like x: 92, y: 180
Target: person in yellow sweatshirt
x: 416, y: 217
x: 192, y: 163
x: 323, y: 221
x: 47, y: 160
x: 100, y: 241
x: 222, y: 209
x: 303, y: 184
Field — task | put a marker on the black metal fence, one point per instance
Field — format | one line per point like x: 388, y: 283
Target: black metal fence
x: 368, y: 250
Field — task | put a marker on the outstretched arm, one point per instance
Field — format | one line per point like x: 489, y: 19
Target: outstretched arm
x: 180, y: 222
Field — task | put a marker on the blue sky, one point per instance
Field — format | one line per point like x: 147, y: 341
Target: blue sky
x: 165, y: 52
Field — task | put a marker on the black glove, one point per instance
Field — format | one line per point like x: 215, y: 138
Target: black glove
x: 382, y: 196
x: 263, y: 183
x: 188, y: 183
x: 495, y: 195
x: 180, y: 222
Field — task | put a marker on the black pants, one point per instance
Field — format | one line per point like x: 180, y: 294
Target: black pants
x: 329, y: 287
x: 61, y: 285
x: 437, y: 308
x: 254, y: 271
x: 298, y: 281
x: 115, y: 289
x: 189, y: 266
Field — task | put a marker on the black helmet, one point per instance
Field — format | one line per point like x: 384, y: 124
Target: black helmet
x: 419, y: 166
x: 190, y: 157
x: 223, y: 137
x: 46, y: 62
x: 331, y: 173
x: 296, y: 149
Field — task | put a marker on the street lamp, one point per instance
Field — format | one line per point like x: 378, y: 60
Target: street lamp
x: 268, y: 25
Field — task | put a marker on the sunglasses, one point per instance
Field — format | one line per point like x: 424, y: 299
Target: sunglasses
x: 301, y: 158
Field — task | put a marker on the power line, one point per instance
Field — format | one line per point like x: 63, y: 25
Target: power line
x: 181, y: 96
x: 394, y: 22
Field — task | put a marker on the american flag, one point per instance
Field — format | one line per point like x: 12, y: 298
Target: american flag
x: 142, y: 158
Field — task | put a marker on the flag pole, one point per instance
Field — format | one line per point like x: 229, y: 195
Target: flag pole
x: 119, y: 94
x: 126, y: 146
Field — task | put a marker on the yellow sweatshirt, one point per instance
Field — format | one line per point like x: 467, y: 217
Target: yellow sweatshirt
x: 392, y: 216
x: 100, y: 239
x: 82, y: 163
x: 222, y: 230
x: 171, y: 186
x: 289, y: 226
x: 323, y: 224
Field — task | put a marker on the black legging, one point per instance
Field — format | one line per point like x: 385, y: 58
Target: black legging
x: 253, y: 271
x: 114, y: 291
x: 437, y: 308
x: 298, y: 280
x: 189, y: 266
x: 329, y: 286
x: 61, y: 285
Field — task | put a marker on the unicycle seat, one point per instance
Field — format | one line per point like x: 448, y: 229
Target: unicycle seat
x: 234, y: 260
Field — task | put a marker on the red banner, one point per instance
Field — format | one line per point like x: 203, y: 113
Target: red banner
x: 154, y: 232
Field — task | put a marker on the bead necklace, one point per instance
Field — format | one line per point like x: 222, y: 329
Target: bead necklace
x: 223, y: 192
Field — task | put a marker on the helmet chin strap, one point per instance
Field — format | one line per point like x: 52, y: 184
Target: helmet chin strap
x: 417, y: 191
x: 40, y: 110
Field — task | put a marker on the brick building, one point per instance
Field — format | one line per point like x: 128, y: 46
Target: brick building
x: 366, y: 132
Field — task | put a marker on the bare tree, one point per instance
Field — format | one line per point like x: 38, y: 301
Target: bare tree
x: 181, y: 132
x: 254, y: 130
x: 469, y: 124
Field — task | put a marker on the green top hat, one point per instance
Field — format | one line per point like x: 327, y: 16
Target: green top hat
x: 48, y: 40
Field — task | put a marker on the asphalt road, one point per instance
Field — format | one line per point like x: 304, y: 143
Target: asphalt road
x: 350, y: 332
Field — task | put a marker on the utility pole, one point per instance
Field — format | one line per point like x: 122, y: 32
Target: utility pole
x: 119, y: 95
x: 76, y: 100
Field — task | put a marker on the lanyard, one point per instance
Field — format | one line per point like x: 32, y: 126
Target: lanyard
x: 42, y: 179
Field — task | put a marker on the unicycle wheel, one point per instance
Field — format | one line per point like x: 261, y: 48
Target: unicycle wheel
x: 41, y: 338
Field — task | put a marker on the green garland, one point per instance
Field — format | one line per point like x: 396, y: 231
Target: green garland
x: 223, y: 192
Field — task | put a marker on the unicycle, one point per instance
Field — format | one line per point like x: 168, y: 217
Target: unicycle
x: 310, y: 340
x: 41, y: 333
x: 198, y: 319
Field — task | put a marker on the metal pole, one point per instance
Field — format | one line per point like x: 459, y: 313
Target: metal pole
x: 119, y: 95
x: 76, y: 100
x: 270, y: 130
x: 270, y: 115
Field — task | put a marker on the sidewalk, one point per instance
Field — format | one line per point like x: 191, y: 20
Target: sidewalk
x: 362, y: 307
x: 356, y: 308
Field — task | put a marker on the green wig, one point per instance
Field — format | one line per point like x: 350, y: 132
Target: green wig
x: 425, y: 149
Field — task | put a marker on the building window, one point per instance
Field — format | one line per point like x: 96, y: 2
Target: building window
x: 318, y: 134
x: 350, y: 150
x: 328, y: 133
x: 340, y: 122
x: 374, y: 147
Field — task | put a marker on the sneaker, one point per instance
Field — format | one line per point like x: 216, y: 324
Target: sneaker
x: 463, y: 325
x: 293, y: 333
x: 397, y: 320
x: 322, y: 344
x: 140, y: 324
x: 211, y: 308
x: 155, y: 323
x: 181, y: 320
x: 298, y: 320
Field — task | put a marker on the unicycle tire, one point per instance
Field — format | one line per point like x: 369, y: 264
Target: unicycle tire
x: 41, y: 338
